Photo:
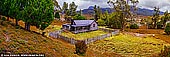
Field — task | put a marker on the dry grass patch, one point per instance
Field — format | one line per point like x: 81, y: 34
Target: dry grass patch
x: 128, y: 45
x: 85, y: 35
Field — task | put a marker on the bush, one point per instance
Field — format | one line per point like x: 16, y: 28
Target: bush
x: 101, y: 22
x: 167, y: 29
x: 159, y: 25
x: 57, y: 15
x: 79, y: 17
x: 165, y: 52
x: 134, y: 26
x: 3, y: 19
x: 81, y: 47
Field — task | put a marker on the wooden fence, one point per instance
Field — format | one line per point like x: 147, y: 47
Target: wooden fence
x: 56, y: 34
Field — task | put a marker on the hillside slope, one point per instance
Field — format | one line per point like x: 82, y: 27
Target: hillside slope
x: 22, y: 41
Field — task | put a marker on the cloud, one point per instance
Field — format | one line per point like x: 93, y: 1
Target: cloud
x: 149, y: 4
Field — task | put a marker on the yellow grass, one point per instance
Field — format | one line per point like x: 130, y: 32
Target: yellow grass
x: 85, y: 35
x: 128, y: 45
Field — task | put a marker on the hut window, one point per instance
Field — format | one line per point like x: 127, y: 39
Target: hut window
x: 93, y: 25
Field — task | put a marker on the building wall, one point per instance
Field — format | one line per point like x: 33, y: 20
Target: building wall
x: 94, y: 26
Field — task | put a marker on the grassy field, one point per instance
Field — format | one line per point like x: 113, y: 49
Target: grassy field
x: 22, y: 41
x: 128, y: 45
x: 82, y: 36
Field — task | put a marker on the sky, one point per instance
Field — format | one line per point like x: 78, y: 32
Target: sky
x: 149, y: 4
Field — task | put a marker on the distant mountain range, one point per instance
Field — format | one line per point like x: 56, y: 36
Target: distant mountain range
x: 140, y: 11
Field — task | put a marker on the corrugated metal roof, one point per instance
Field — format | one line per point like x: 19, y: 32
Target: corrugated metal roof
x: 78, y: 25
x: 83, y: 22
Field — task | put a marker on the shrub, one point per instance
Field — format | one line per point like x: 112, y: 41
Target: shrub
x: 57, y: 15
x: 101, y: 22
x: 3, y: 19
x: 150, y: 26
x: 81, y: 47
x: 134, y: 26
x: 165, y: 52
x: 79, y: 17
x: 167, y: 29
x: 159, y: 25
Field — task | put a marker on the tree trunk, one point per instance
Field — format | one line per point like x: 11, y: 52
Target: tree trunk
x: 28, y: 26
x: 0, y: 17
x: 43, y: 33
x: 123, y: 22
x: 7, y: 18
x: 155, y: 24
x: 16, y: 22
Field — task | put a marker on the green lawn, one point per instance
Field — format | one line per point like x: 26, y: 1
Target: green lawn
x: 85, y: 35
x: 128, y: 45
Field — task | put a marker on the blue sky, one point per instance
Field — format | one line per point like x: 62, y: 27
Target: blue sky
x: 149, y: 4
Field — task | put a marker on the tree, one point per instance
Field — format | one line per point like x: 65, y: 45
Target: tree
x: 15, y: 10
x: 38, y: 13
x: 65, y: 7
x: 155, y: 17
x: 167, y: 29
x: 165, y: 18
x: 112, y: 20
x: 4, y: 8
x: 134, y: 26
x: 69, y: 10
x: 79, y: 17
x: 57, y: 15
x: 101, y: 22
x: 81, y: 47
x: 72, y: 8
x: 97, y: 12
x: 57, y: 6
x: 123, y: 9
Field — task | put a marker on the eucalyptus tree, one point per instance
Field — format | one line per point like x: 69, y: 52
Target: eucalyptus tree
x: 65, y: 7
x: 155, y: 17
x: 57, y: 9
x: 69, y: 10
x: 97, y: 12
x: 73, y: 8
x: 165, y: 18
x: 123, y: 9
x: 57, y: 6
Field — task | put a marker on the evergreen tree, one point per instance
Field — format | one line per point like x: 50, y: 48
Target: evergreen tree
x: 123, y: 10
x: 38, y: 13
